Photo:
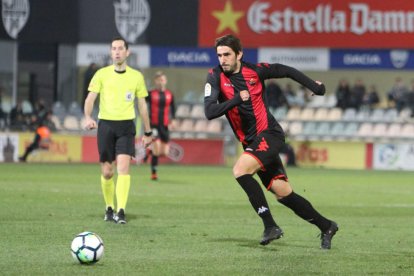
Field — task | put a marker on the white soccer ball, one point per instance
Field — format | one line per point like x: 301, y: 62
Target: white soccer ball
x: 87, y: 248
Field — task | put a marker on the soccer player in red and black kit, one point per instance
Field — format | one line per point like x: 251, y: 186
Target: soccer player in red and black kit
x: 236, y: 89
x: 161, y: 107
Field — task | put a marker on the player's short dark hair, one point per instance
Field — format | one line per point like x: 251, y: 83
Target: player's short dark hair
x: 158, y: 74
x: 230, y: 41
x: 122, y: 39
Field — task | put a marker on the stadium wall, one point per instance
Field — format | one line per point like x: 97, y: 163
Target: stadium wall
x: 77, y: 148
x: 328, y: 154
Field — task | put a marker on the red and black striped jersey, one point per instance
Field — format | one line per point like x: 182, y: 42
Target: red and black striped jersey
x: 161, y: 106
x: 248, y: 119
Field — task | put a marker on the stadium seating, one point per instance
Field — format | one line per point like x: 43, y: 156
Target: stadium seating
x: 59, y: 110
x: 307, y: 114
x: 183, y: 111
x: 349, y: 115
x: 293, y: 114
x: 27, y: 107
x: 71, y: 122
x: 197, y: 111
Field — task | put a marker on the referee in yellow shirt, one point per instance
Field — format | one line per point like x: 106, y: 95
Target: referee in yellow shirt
x: 117, y: 86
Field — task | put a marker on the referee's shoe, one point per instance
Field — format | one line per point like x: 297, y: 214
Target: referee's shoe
x: 109, y: 214
x: 119, y: 218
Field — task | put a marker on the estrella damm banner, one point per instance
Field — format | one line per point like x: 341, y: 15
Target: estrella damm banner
x: 323, y: 23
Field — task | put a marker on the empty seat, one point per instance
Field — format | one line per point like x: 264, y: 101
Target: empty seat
x: 321, y: 114
x: 363, y: 115
x: 214, y: 126
x: 407, y: 131
x: 317, y: 101
x: 187, y: 125
x: 377, y: 115
x: 293, y: 114
x: 75, y: 109
x: 391, y: 115
x: 27, y: 107
x: 56, y: 121
x: 350, y: 130
x: 200, y: 125
x: 309, y: 129
x: 71, y: 123
x: 405, y: 115
x: 349, y: 114
x: 295, y: 128
x: 337, y: 129
x: 59, y: 110
x: 365, y: 130
x: 394, y: 130
x: 307, y: 114
x: 323, y: 129
x: 197, y: 111
x: 183, y: 111
x: 380, y: 130
x: 334, y: 114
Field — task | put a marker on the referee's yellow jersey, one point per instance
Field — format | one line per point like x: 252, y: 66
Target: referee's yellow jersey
x: 117, y: 92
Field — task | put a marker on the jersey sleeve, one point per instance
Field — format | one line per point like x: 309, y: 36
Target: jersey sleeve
x: 212, y: 108
x: 276, y: 70
x: 141, y: 89
x: 96, y: 84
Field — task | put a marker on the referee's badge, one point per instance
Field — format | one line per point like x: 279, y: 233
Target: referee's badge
x: 129, y: 96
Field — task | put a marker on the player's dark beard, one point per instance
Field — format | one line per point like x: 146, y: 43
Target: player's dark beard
x: 231, y: 69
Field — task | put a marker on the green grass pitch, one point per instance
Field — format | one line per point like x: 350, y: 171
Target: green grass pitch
x: 198, y: 221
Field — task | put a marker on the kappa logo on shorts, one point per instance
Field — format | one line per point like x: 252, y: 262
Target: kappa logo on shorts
x: 263, y: 146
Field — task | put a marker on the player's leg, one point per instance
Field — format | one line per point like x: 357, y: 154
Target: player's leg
x: 34, y: 145
x: 108, y: 189
x: 304, y: 209
x: 243, y: 171
x: 123, y: 184
x: 154, y: 159
x: 106, y: 149
x: 124, y: 150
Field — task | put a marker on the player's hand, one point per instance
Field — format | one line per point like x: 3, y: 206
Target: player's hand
x: 321, y: 91
x: 90, y: 124
x: 244, y: 95
x: 146, y: 141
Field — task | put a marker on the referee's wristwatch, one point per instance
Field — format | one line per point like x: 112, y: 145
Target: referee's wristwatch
x: 148, y: 134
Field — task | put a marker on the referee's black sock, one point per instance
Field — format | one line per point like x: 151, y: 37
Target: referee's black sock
x: 154, y: 163
x: 304, y: 209
x: 257, y: 198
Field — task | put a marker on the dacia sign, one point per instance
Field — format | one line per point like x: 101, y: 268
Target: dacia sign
x: 372, y: 59
x: 191, y: 57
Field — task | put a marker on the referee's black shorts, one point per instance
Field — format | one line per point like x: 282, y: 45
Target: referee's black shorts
x: 114, y: 138
x: 265, y: 148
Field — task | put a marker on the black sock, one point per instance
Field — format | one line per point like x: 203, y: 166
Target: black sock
x: 304, y: 209
x: 154, y: 163
x: 257, y: 198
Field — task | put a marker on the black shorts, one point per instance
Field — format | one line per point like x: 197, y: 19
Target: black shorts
x: 161, y: 132
x: 114, y: 138
x: 265, y: 148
